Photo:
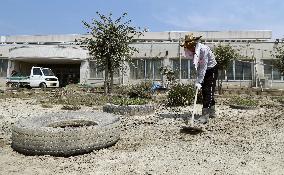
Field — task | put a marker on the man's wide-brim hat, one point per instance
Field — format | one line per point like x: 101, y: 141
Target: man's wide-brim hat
x: 190, y: 39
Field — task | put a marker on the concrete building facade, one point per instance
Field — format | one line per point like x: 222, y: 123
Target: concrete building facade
x: 156, y: 49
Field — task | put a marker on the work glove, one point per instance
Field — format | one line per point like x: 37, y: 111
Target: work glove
x: 198, y: 86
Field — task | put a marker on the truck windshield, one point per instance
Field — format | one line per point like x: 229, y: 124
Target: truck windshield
x: 47, y: 72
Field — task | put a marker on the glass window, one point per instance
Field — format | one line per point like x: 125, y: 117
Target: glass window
x: 276, y: 74
x: 247, y: 70
x: 149, y: 69
x: 37, y: 71
x: 47, y: 72
x: 145, y: 68
x: 3, y: 67
x: 243, y: 70
x: 94, y: 72
x: 184, y: 68
x: 153, y: 69
x: 137, y: 69
x: 240, y: 70
x: 156, y: 65
x: 192, y: 70
x: 230, y: 71
x: 270, y: 72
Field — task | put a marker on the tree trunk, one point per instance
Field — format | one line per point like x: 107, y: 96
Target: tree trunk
x: 111, y: 82
x: 220, y: 89
x: 106, y: 81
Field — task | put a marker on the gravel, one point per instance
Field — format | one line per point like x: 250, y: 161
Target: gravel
x: 236, y: 142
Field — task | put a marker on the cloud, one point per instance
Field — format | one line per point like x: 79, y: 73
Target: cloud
x: 198, y: 22
x: 231, y: 15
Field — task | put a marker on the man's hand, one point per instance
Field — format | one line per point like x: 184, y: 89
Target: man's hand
x: 198, y: 86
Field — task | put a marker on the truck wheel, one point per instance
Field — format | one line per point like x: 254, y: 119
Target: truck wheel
x: 42, y: 85
x: 15, y: 85
x: 65, y: 134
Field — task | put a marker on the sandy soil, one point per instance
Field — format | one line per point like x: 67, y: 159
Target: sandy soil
x: 237, y: 142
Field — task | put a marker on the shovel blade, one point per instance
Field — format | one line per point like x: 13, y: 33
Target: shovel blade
x: 191, y: 130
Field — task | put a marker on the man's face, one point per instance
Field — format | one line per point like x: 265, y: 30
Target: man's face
x: 188, y: 54
x: 190, y: 46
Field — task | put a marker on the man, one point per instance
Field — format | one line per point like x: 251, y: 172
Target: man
x: 207, y: 72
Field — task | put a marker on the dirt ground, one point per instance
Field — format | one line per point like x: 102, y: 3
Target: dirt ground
x: 236, y: 142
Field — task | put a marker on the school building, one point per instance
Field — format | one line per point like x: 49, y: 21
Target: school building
x: 156, y: 49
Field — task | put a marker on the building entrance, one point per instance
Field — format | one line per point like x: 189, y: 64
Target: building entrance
x: 66, y: 73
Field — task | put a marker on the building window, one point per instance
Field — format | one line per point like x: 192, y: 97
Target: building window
x: 270, y: 72
x: 3, y: 67
x: 137, y: 69
x: 240, y: 70
x: 145, y: 69
x: 243, y: 70
x: 94, y: 71
x: 185, y: 69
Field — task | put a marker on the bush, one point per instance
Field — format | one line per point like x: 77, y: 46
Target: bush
x: 181, y: 95
x: 71, y: 96
x: 71, y: 107
x: 141, y: 90
x: 243, y: 101
x: 46, y: 105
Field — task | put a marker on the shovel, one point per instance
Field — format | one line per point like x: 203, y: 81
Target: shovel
x: 191, y: 128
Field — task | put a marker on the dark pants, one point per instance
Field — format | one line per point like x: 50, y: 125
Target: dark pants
x: 208, y: 87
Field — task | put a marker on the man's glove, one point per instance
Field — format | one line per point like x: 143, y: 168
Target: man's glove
x: 198, y: 86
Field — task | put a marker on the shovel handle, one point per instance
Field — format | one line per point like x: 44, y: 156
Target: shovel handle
x: 194, y: 106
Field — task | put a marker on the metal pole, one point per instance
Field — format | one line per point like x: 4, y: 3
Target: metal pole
x: 179, y: 53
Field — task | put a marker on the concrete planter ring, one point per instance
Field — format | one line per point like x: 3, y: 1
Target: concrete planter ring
x: 65, y: 134
x: 130, y: 109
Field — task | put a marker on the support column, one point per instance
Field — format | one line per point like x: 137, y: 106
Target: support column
x: 84, y: 72
x: 125, y: 73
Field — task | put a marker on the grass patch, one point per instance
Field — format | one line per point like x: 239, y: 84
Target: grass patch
x: 124, y: 101
x: 243, y: 101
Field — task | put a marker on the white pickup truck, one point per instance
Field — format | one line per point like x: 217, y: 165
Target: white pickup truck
x: 39, y: 77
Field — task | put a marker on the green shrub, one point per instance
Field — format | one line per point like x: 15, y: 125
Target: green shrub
x: 181, y: 95
x: 243, y: 101
x: 279, y: 99
x: 71, y: 107
x: 69, y: 96
x: 124, y: 101
x: 141, y: 90
x: 46, y: 105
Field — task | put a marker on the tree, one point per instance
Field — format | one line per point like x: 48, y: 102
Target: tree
x: 224, y: 55
x: 278, y: 53
x: 170, y: 75
x: 109, y: 44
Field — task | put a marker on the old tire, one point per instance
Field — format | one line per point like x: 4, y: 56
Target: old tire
x: 65, y: 134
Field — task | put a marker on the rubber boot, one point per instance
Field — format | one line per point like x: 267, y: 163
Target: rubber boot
x: 212, y: 112
x: 203, y: 119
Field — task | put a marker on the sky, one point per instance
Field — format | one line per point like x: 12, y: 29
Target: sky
x: 46, y: 17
